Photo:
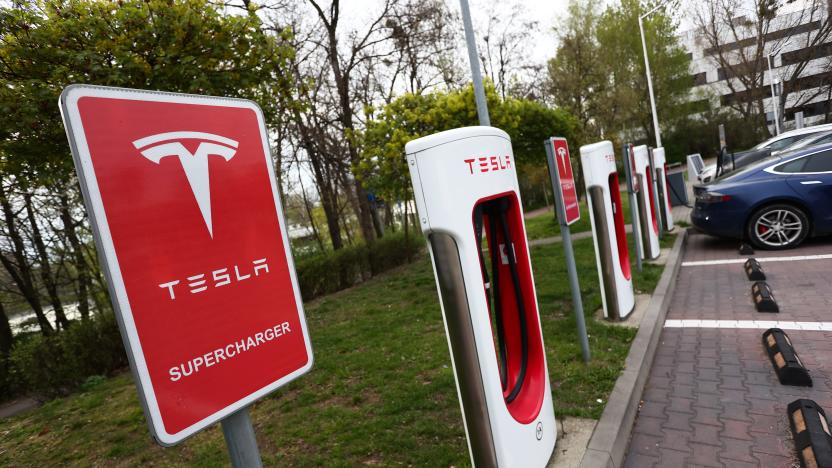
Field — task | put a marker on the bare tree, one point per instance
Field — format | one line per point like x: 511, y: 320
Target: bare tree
x: 361, y: 47
x: 426, y: 37
x: 14, y: 255
x: 740, y: 41
x: 504, y: 60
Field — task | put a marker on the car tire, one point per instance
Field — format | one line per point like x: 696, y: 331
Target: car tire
x: 778, y: 227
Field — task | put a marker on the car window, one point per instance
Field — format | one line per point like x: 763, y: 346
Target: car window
x: 780, y: 144
x: 792, y: 167
x: 819, y: 162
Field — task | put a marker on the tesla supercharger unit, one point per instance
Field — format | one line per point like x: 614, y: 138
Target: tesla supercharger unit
x: 649, y: 225
x: 607, y: 218
x: 660, y: 165
x: 468, y: 200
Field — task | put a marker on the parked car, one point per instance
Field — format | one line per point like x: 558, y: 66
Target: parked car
x: 775, y: 203
x: 761, y: 151
x: 813, y: 140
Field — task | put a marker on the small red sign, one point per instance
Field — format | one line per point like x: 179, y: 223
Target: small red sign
x: 571, y: 210
x: 634, y: 183
x: 182, y: 195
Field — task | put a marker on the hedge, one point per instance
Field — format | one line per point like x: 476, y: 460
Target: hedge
x: 55, y: 365
x: 325, y: 273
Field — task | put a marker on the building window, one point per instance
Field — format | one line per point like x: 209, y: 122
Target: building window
x: 795, y: 86
x: 809, y: 110
x: 807, y: 53
x: 772, y: 36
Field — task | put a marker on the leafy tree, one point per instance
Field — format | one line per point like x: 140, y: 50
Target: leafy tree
x: 383, y: 166
x: 625, y: 99
x: 184, y: 46
x: 598, y: 71
x: 576, y: 77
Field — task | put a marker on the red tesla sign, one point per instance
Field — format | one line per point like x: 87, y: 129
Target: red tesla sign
x: 634, y: 183
x: 182, y: 195
x: 569, y: 192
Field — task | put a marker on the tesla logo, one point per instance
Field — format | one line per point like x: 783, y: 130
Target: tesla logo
x: 489, y: 163
x: 195, y: 165
x: 562, y: 154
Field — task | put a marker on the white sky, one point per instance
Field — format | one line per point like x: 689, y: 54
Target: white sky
x: 546, y: 12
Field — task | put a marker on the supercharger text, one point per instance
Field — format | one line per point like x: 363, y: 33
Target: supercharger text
x: 229, y: 351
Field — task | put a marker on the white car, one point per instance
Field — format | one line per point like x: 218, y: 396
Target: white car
x: 813, y: 140
x: 776, y: 143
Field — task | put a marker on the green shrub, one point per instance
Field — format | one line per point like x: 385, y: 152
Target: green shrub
x: 57, y: 364
x: 328, y: 272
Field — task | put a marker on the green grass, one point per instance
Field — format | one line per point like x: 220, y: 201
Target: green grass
x: 545, y: 225
x: 381, y: 392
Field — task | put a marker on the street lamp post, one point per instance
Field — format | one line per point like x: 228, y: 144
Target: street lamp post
x: 476, y: 77
x: 774, y: 105
x: 647, y: 71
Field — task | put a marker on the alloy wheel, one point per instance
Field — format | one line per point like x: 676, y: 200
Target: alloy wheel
x: 778, y: 228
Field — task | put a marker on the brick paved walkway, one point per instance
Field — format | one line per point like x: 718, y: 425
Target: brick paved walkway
x: 712, y: 398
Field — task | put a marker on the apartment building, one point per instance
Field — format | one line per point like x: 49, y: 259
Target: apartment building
x: 788, y: 43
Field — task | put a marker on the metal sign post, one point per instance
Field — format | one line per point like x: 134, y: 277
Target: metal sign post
x: 241, y: 441
x: 206, y: 295
x: 565, y: 189
x: 632, y: 187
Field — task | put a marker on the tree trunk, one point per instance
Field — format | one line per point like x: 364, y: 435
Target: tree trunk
x: 388, y: 216
x: 377, y: 224
x: 406, y: 203
x: 342, y: 85
x: 83, y: 277
x: 365, y: 214
x: 324, y: 184
x: 307, y: 206
x: 45, y: 266
x: 6, y: 336
x: 347, y: 231
x: 21, y: 273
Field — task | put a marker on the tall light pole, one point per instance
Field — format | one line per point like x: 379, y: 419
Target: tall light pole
x: 647, y: 71
x: 774, y: 105
x: 476, y: 76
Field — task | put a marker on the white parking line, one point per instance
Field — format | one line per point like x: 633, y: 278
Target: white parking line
x: 749, y: 324
x: 729, y: 261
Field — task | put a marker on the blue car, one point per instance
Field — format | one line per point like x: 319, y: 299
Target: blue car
x: 775, y: 203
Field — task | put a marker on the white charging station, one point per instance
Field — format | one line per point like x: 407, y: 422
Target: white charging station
x: 467, y: 196
x: 665, y: 209
x: 607, y: 218
x: 647, y: 212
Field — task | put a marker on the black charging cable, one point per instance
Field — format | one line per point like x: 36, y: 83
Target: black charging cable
x: 498, y: 306
x: 496, y: 211
x: 502, y: 206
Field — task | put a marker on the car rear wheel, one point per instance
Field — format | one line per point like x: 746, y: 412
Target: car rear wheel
x: 777, y: 227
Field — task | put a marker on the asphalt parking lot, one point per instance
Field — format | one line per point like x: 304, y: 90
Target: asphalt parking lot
x: 712, y: 397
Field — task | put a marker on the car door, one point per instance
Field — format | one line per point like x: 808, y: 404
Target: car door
x: 812, y: 180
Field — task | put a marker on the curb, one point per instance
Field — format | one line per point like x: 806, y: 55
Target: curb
x: 608, y: 444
